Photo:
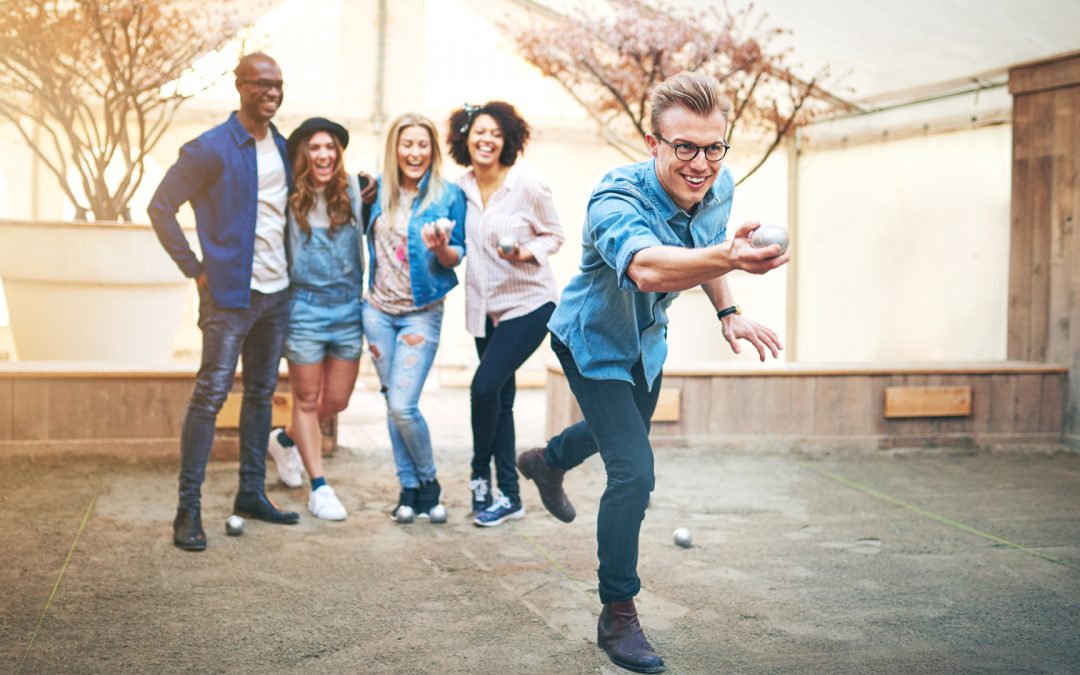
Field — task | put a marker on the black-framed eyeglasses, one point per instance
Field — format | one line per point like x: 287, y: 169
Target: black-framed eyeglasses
x: 264, y: 84
x: 688, y: 151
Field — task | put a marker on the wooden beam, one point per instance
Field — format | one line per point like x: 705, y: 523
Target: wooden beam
x: 1060, y: 71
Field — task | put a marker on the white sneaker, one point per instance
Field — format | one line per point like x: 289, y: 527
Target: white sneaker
x: 323, y: 503
x: 287, y: 461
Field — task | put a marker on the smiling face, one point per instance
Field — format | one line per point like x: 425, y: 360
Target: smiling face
x: 686, y: 182
x: 322, y: 156
x: 485, y: 141
x: 414, y: 155
x: 258, y: 79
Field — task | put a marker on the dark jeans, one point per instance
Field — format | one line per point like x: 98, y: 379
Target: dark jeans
x: 502, y: 351
x: 617, y: 420
x: 255, y: 334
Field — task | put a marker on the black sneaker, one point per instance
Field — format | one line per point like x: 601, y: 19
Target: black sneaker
x: 430, y: 493
x: 481, y: 494
x: 405, y: 511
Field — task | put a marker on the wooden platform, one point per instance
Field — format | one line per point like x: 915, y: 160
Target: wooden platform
x: 824, y: 406
x: 49, y: 407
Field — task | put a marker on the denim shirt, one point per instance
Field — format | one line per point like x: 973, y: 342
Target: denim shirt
x: 430, y: 280
x: 217, y: 173
x: 327, y: 263
x: 607, y: 323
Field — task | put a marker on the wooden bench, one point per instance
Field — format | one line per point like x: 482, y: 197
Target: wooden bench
x: 48, y: 407
x: 856, y: 406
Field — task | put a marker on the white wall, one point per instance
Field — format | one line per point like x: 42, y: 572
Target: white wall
x: 904, y: 249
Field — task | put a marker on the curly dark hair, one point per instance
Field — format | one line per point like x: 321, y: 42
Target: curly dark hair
x: 514, y: 128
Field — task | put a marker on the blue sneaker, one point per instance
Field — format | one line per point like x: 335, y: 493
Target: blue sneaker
x: 501, y: 510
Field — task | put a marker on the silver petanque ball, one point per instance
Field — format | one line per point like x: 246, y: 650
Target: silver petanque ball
x: 683, y: 538
x: 507, y: 244
x: 404, y: 514
x: 767, y: 235
x: 234, y: 526
x: 438, y: 514
x: 444, y: 226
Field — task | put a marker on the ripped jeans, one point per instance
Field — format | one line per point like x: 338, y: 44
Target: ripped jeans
x: 403, y: 348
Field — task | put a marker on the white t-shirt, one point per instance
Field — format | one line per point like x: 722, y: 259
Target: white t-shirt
x: 270, y: 270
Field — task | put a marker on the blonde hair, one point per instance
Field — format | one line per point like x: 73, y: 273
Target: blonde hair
x: 391, y: 180
x: 698, y: 93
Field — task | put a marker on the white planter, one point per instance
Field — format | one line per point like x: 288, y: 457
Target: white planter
x: 90, y: 291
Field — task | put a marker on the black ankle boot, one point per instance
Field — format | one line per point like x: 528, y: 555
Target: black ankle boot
x: 619, y: 634
x: 187, y: 529
x: 429, y: 496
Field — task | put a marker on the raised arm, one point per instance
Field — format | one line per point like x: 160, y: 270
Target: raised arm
x: 671, y: 268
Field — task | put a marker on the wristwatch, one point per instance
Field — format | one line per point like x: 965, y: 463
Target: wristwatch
x: 728, y: 311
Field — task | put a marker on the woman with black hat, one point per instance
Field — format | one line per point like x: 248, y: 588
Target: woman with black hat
x: 326, y: 267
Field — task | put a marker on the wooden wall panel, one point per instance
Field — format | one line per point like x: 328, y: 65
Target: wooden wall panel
x: 1044, y: 263
x: 30, y: 410
x: 1012, y: 401
x: 5, y: 409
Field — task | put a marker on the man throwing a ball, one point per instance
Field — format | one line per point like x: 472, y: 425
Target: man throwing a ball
x: 652, y: 229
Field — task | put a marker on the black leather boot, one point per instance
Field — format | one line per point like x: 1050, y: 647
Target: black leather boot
x: 256, y: 505
x: 619, y: 634
x: 187, y: 529
x: 428, y: 497
x: 548, y: 481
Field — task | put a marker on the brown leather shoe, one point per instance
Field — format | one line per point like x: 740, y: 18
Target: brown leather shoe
x: 548, y: 481
x: 619, y: 634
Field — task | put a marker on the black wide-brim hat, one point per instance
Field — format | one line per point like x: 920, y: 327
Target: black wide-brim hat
x: 309, y: 127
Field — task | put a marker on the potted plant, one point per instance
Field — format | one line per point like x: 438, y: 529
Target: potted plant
x: 91, y: 86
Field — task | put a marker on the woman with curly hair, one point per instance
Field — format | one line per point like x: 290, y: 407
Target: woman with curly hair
x: 511, y: 228
x: 326, y: 268
x: 415, y: 239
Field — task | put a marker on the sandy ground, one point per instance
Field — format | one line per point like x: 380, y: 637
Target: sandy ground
x: 927, y: 563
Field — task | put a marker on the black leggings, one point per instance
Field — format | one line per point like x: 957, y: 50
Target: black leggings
x: 502, y: 351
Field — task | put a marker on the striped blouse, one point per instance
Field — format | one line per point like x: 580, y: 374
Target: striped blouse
x: 521, y: 207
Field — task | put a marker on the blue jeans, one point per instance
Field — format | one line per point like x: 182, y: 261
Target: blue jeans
x: 502, y: 350
x: 617, y: 420
x: 255, y: 334
x: 403, y: 368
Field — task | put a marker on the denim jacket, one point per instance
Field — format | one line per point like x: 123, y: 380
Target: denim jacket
x: 608, y: 324
x: 217, y: 173
x: 430, y: 280
x: 330, y: 263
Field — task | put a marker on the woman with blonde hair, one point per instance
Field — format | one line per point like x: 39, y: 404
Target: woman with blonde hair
x: 326, y: 268
x: 416, y: 236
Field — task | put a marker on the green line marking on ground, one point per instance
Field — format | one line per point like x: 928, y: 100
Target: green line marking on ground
x: 555, y: 563
x: 941, y: 519
x: 48, y: 603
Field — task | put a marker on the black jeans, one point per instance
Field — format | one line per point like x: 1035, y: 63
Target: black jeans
x: 502, y: 351
x: 618, y: 416
x: 255, y: 334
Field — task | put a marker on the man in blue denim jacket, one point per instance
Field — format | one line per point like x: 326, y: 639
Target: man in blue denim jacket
x: 237, y: 178
x: 652, y: 230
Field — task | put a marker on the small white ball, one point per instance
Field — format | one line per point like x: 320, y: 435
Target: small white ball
x: 444, y: 226
x: 767, y: 235
x: 404, y: 514
x: 438, y: 514
x: 507, y: 244
x: 683, y: 538
x: 234, y: 526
